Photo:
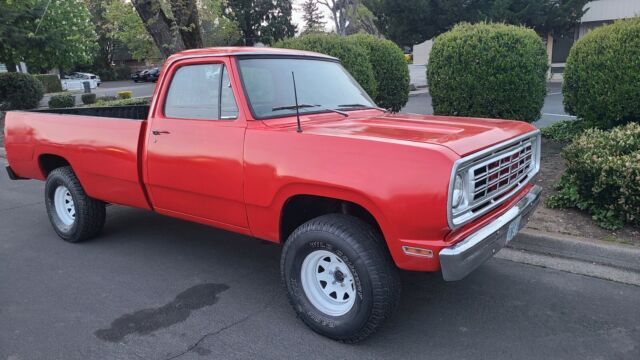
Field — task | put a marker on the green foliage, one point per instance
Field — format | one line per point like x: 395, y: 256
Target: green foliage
x: 564, y: 131
x: 602, y: 75
x: 409, y: 22
x: 264, y: 21
x: 354, y: 57
x: 121, y: 102
x: 603, y: 176
x: 50, y: 82
x: 488, y: 70
x: 217, y: 30
x: 17, y: 24
x: 62, y: 101
x: 123, y: 24
x: 69, y: 36
x: 19, y: 91
x: 312, y: 17
x: 125, y: 94
x: 88, y: 98
x: 106, y: 98
x: 390, y: 70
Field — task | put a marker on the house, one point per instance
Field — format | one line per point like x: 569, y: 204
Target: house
x: 600, y: 12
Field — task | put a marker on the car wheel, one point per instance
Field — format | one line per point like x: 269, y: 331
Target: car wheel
x: 339, y: 277
x: 74, y: 215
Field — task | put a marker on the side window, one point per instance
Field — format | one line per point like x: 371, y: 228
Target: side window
x: 228, y: 107
x: 194, y: 92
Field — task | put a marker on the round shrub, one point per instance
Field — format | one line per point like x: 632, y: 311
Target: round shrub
x: 19, y: 91
x: 390, y: 70
x: 602, y: 75
x: 603, y: 176
x: 488, y: 70
x: 62, y: 101
x: 125, y: 94
x: 50, y: 82
x: 354, y: 57
x: 88, y: 98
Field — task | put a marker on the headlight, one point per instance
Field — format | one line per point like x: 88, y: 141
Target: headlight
x: 457, y: 198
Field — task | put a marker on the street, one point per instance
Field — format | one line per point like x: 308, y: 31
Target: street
x: 153, y: 287
x: 111, y: 88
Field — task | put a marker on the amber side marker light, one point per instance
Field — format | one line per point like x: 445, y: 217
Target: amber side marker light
x: 414, y: 251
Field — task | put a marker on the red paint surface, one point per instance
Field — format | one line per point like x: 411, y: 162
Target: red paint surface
x: 238, y: 174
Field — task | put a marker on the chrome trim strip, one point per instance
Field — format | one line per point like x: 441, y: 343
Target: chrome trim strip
x: 462, y: 258
x: 460, y: 163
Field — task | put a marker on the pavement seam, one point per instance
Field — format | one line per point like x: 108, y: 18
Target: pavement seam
x: 227, y: 327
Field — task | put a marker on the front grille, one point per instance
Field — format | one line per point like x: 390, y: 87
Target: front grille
x: 497, y: 175
x: 493, y: 175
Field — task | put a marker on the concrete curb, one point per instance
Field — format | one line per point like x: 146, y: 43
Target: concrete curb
x: 619, y: 256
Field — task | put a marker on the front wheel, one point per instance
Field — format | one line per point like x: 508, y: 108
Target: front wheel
x: 74, y: 215
x: 339, y: 277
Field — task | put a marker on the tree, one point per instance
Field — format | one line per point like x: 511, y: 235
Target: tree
x: 264, y: 21
x: 122, y: 24
x: 339, y: 10
x: 312, y: 16
x: 174, y: 25
x: 409, y: 22
x: 217, y: 30
x: 69, y: 38
x: 17, y: 24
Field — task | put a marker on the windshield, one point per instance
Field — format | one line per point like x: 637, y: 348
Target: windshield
x: 321, y: 85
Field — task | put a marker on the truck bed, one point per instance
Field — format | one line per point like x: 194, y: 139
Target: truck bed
x: 102, y: 145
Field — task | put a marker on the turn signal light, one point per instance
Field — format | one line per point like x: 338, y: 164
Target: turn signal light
x: 414, y: 251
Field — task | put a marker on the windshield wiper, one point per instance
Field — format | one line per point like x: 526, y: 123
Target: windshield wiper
x: 304, y: 106
x: 361, y: 105
x: 293, y: 107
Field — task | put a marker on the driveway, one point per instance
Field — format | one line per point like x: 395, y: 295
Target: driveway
x: 152, y: 287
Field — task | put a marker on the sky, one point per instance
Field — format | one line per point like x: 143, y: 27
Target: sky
x: 297, y: 15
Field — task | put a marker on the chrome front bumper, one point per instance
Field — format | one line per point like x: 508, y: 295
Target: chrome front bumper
x: 459, y: 260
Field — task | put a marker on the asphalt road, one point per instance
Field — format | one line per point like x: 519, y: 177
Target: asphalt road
x: 552, y: 110
x: 157, y: 288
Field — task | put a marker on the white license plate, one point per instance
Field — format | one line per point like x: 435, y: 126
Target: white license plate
x: 513, y: 229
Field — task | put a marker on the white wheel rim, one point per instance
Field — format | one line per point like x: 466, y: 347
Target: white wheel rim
x: 328, y: 283
x: 65, y: 208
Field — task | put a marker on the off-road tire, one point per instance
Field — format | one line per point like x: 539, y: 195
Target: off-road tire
x: 90, y: 213
x: 364, y: 251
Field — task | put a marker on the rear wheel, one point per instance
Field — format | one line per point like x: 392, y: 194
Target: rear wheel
x: 74, y: 215
x: 340, y: 279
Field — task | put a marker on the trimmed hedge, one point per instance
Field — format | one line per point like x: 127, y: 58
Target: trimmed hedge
x: 106, y: 98
x: 19, y: 91
x: 122, y: 102
x: 354, y: 57
x: 390, y: 70
x: 62, y: 101
x: 603, y: 176
x: 488, y: 70
x: 565, y: 130
x: 88, y: 98
x: 50, y: 82
x: 125, y: 94
x: 602, y: 75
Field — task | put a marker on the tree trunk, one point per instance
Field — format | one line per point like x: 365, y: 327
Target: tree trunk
x: 161, y: 27
x: 185, y: 13
x: 10, y: 64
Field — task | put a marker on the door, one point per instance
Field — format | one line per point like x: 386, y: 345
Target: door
x: 194, y: 154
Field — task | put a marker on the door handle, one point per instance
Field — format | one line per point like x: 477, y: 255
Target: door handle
x: 159, y: 132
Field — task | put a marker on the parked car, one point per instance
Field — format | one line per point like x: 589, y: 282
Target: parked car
x: 285, y: 146
x: 138, y: 75
x: 82, y: 75
x: 151, y: 75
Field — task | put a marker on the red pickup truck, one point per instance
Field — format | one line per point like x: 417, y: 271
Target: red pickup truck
x: 285, y: 146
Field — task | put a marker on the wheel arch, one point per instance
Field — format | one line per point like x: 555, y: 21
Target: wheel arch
x: 49, y: 162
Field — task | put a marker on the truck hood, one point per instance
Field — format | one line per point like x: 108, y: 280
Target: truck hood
x: 462, y: 135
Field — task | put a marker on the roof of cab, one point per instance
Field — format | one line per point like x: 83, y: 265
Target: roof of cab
x: 244, y: 50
